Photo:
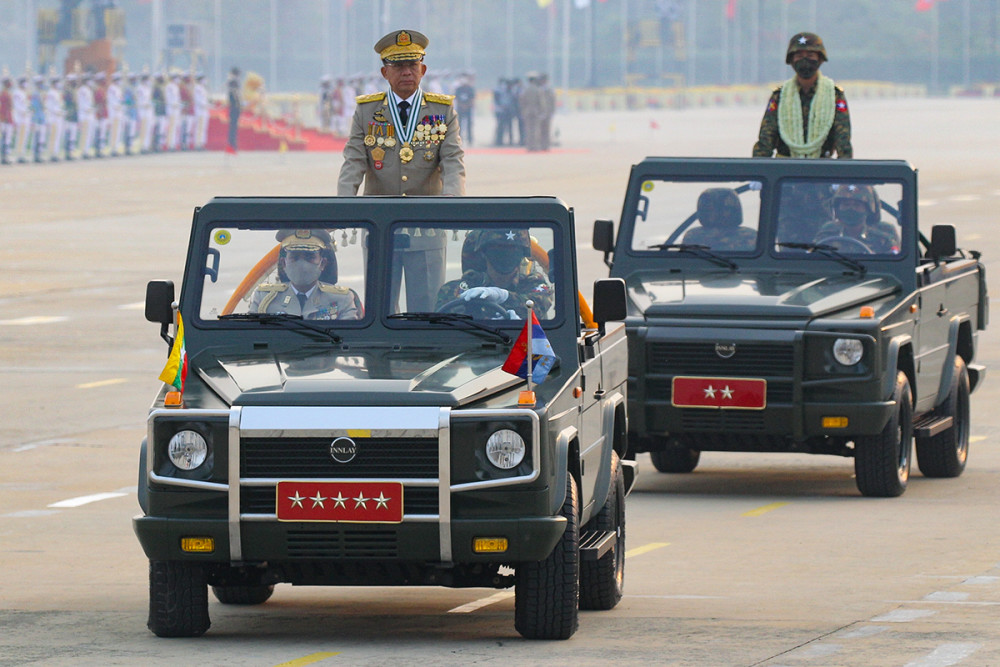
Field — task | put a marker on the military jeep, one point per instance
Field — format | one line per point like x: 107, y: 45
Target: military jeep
x: 795, y: 306
x: 366, y: 433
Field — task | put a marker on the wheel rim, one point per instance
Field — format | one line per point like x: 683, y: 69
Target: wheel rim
x: 962, y: 435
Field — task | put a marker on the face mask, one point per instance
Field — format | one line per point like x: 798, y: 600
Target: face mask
x: 806, y: 68
x: 850, y: 217
x: 302, y: 272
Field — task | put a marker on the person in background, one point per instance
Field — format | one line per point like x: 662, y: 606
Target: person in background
x: 465, y: 105
x: 235, y: 101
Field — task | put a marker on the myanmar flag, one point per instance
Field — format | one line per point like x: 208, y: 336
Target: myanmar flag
x: 176, y: 370
x: 542, y: 356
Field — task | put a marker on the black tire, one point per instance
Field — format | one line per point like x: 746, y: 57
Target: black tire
x: 243, y: 595
x: 882, y: 462
x: 945, y: 454
x: 675, y: 459
x: 547, y: 593
x: 178, y: 599
x: 602, y: 581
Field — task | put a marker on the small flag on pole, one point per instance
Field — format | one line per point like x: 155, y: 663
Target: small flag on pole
x: 175, y: 372
x: 542, y: 355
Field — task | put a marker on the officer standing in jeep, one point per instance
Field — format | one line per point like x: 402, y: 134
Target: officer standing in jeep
x: 501, y: 273
x: 307, y: 274
x: 856, y: 212
x: 807, y: 116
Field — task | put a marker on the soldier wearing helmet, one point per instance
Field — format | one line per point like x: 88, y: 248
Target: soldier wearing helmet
x: 856, y: 215
x: 307, y: 276
x: 497, y: 269
x: 721, y: 218
x: 807, y: 116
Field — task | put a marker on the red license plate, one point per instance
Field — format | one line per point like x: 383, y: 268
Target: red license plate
x: 719, y: 393
x: 348, y: 502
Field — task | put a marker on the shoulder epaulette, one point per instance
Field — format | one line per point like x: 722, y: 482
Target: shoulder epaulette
x: 272, y: 287
x: 839, y: 89
x: 439, y: 98
x: 373, y: 97
x: 333, y: 289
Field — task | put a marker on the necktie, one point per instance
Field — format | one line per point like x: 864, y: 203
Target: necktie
x: 404, y: 111
x: 302, y: 302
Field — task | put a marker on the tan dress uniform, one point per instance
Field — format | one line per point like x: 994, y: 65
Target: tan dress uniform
x: 437, y: 166
x: 325, y: 302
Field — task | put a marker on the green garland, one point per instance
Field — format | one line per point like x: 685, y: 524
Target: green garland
x: 821, y: 113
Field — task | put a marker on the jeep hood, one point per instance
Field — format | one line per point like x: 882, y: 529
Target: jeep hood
x: 748, y: 294
x: 355, y: 377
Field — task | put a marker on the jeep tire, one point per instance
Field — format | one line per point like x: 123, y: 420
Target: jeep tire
x: 945, y: 454
x: 547, y: 593
x: 242, y: 594
x: 178, y: 599
x: 602, y: 580
x: 673, y: 457
x: 882, y: 461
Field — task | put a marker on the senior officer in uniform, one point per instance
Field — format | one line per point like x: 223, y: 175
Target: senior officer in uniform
x: 807, y: 116
x: 406, y: 142
x: 307, y: 273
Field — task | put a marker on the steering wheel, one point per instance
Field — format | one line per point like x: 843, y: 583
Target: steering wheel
x: 839, y: 241
x: 480, y: 309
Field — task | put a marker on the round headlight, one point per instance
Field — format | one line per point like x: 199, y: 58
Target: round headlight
x: 848, y: 351
x: 505, y: 449
x: 187, y: 449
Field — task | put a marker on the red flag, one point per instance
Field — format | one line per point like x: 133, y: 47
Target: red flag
x: 731, y: 9
x: 653, y: 125
x: 924, y: 5
x: 542, y: 355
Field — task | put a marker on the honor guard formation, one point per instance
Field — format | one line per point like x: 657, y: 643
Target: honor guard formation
x: 95, y: 115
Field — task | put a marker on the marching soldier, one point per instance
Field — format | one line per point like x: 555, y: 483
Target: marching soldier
x: 6, y: 120
x: 21, y: 116
x: 55, y: 116
x: 807, y: 116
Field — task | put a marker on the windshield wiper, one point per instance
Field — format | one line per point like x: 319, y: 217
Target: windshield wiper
x: 452, y: 319
x: 828, y: 251
x: 285, y: 319
x: 698, y: 250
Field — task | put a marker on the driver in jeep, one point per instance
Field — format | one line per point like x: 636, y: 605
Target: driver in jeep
x: 503, y: 277
x: 857, y: 219
x: 307, y: 276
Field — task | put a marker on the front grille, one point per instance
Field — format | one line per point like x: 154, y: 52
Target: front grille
x: 750, y: 360
x: 346, y: 543
x: 309, y: 458
x: 416, y: 500
x: 693, y: 419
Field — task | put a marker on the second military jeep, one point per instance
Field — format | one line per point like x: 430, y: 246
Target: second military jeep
x: 345, y: 418
x: 795, y: 306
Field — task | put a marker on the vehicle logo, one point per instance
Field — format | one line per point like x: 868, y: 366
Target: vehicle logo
x: 725, y: 350
x: 343, y: 450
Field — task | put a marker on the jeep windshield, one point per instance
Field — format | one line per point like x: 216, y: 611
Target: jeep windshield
x: 262, y: 273
x: 483, y: 272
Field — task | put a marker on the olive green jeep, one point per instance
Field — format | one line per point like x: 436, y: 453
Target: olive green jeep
x: 795, y: 306
x: 335, y: 410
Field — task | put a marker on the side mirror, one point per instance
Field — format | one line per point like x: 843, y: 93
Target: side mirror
x: 160, y: 301
x: 604, y: 238
x: 943, y: 242
x: 610, y: 301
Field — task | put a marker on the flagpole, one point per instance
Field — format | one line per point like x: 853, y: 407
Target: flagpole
x: 531, y: 325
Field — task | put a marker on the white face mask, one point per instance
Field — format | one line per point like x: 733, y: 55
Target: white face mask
x: 302, y: 272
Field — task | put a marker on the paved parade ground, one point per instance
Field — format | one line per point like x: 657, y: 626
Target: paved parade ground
x: 751, y: 560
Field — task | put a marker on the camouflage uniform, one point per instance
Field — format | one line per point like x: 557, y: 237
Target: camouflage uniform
x: 484, y: 248
x: 721, y: 218
x: 837, y: 141
x: 880, y: 237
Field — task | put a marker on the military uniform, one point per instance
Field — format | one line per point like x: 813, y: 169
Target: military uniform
x: 775, y: 136
x: 530, y: 283
x: 880, y: 237
x: 324, y: 302
x: 381, y: 149
x: 721, y: 219
x: 741, y: 238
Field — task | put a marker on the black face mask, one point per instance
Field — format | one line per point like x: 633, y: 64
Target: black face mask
x: 851, y: 217
x: 806, y: 68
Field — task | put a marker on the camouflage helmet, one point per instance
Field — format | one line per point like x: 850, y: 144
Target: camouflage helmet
x: 863, y: 193
x: 719, y: 208
x: 805, y: 41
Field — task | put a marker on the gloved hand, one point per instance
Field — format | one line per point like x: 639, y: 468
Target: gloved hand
x: 491, y: 294
x: 511, y: 315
